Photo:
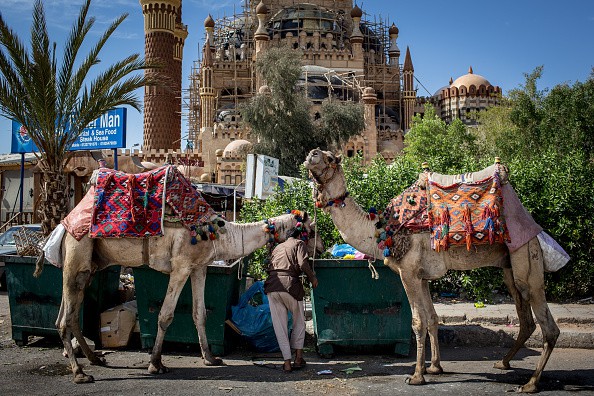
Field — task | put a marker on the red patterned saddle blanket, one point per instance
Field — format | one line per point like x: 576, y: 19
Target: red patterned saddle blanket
x: 466, y: 213
x: 133, y: 205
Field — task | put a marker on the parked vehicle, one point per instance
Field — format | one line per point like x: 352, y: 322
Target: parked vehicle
x: 8, y: 246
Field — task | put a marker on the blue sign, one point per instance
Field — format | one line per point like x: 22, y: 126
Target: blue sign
x: 106, y: 132
x: 21, y: 141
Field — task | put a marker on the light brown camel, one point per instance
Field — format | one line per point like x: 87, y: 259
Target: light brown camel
x: 172, y: 254
x: 522, y: 269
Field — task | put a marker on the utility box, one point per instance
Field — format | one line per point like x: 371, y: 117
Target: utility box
x: 224, y: 284
x: 35, y: 302
x: 354, y: 312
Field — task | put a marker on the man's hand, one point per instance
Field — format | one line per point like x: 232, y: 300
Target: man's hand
x: 314, y: 282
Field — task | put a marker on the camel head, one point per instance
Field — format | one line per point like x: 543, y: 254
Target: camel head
x: 326, y: 170
x: 279, y: 228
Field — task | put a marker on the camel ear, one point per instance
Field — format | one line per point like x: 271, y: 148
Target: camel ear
x: 338, y: 159
x: 305, y: 217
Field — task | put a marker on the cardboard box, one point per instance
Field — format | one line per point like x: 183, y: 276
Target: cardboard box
x: 117, y: 324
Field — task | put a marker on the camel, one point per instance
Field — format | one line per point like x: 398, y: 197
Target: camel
x: 172, y: 254
x: 523, y: 271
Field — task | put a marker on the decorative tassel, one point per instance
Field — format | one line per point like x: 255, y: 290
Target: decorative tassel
x: 468, y: 229
x: 386, y: 252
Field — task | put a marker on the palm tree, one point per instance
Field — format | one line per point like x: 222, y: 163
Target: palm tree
x: 54, y: 102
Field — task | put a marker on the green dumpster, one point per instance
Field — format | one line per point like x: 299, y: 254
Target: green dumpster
x: 35, y: 302
x: 223, y: 287
x: 351, y: 311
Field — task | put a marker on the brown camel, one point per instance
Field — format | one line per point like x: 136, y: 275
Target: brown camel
x: 172, y: 254
x: 522, y: 269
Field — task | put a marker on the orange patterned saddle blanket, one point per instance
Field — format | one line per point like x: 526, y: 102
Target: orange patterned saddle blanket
x: 466, y: 213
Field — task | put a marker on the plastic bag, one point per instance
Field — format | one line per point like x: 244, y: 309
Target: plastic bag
x: 342, y: 250
x: 252, y: 317
x: 554, y: 256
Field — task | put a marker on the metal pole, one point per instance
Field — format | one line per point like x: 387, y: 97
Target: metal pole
x: 115, y: 158
x: 22, y: 183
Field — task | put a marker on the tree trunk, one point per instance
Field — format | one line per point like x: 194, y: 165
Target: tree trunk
x: 53, y: 203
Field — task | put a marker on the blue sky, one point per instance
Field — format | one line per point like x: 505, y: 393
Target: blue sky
x: 502, y: 40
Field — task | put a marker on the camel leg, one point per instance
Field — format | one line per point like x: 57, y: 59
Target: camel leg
x: 413, y: 288
x: 432, y: 327
x: 67, y: 321
x: 198, y: 279
x: 75, y: 277
x: 527, y: 325
x: 531, y: 254
x: 177, y: 280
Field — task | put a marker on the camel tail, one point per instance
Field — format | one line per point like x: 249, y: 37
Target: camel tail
x: 39, y: 265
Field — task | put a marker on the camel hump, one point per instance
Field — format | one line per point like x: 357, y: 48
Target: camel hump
x: 469, y: 177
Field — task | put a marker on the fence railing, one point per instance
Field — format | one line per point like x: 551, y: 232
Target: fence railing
x: 16, y: 218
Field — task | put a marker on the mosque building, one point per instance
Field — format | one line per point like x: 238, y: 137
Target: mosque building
x: 343, y: 54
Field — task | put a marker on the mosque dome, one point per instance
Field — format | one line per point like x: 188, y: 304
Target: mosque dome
x: 308, y: 18
x: 470, y: 79
x: 261, y: 8
x: 393, y: 29
x: 209, y: 22
x: 237, y: 148
x: 356, y: 12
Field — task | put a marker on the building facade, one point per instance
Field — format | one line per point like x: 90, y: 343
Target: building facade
x: 344, y: 54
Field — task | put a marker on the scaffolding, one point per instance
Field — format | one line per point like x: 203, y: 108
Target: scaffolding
x: 233, y: 68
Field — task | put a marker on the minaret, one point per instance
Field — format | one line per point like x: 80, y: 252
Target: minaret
x: 408, y: 94
x: 356, y: 35
x: 394, y: 51
x: 164, y: 36
x: 207, y: 93
x: 370, y: 132
x: 261, y: 35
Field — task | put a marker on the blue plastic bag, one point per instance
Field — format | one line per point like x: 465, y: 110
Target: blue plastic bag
x: 252, y: 317
x: 342, y: 250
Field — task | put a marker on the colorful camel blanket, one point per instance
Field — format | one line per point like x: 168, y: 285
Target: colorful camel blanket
x: 468, y: 213
x: 408, y: 210
x: 123, y: 205
x: 133, y: 205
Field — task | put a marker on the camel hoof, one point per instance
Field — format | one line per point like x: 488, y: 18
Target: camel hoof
x: 528, y: 388
x: 415, y: 380
x: 98, y: 361
x: 501, y: 365
x: 157, y: 368
x: 434, y: 369
x: 213, y: 362
x: 83, y: 379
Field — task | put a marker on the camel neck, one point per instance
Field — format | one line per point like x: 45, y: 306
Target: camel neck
x: 355, y: 227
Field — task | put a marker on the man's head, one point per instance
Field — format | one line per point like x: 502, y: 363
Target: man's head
x: 298, y: 232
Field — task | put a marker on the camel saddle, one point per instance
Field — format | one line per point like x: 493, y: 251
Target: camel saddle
x: 122, y: 205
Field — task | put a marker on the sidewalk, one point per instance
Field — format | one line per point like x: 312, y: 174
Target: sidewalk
x: 462, y: 324
x: 497, y: 325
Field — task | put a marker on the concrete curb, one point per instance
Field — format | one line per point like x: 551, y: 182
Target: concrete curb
x: 497, y: 325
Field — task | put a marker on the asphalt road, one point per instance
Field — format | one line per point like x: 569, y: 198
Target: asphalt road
x: 40, y: 369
